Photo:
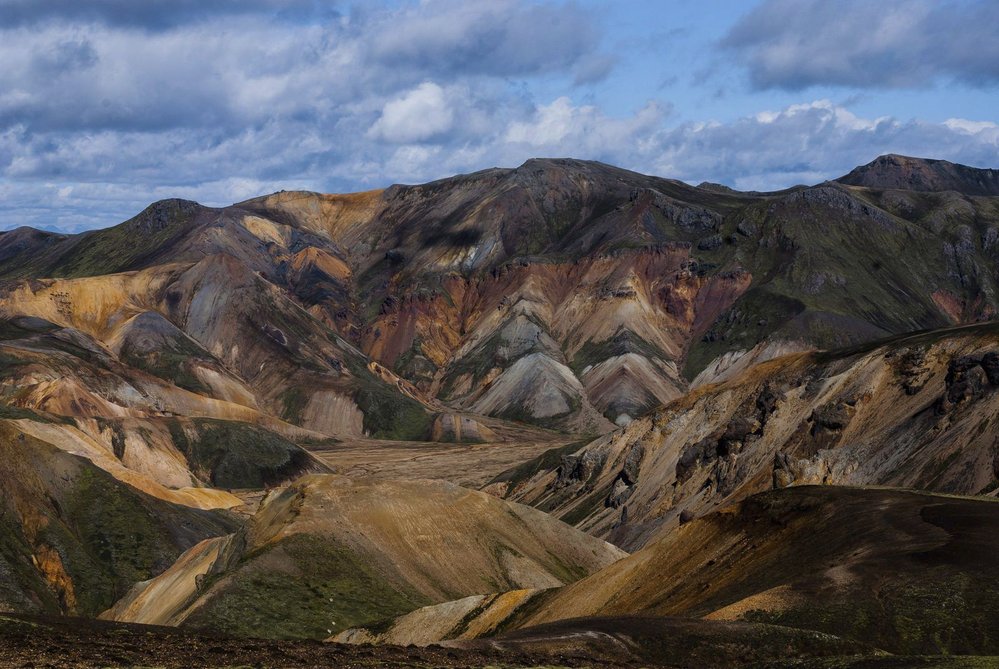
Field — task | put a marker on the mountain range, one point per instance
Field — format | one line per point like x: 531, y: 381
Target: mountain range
x: 505, y: 409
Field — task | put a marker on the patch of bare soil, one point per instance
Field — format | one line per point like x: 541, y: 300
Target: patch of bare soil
x: 64, y: 643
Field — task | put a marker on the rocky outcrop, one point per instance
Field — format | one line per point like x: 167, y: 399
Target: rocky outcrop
x: 908, y: 413
x: 969, y: 378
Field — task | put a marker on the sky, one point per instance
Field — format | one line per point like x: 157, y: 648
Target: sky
x: 108, y: 105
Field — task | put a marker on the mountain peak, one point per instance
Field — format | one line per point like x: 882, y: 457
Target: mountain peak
x: 894, y: 171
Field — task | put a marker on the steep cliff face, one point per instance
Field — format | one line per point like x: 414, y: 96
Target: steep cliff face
x: 919, y: 411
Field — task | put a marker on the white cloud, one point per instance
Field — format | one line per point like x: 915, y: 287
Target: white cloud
x: 808, y: 143
x: 417, y: 115
x: 102, y: 114
x: 550, y: 124
x: 138, y: 99
x: 801, y: 143
x: 972, y: 127
x: 560, y: 128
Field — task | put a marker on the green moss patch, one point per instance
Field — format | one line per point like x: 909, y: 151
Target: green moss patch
x: 305, y: 586
x: 230, y: 454
x: 112, y: 538
x: 388, y: 414
x: 173, y: 362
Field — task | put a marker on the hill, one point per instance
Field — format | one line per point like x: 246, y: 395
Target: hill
x: 328, y: 552
x: 894, y: 172
x: 906, y: 572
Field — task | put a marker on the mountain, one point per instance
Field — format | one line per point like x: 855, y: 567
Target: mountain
x: 894, y: 172
x: 566, y: 293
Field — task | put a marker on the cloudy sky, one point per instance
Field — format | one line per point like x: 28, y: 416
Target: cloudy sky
x: 107, y: 105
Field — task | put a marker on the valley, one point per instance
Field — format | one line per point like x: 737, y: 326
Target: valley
x: 557, y: 415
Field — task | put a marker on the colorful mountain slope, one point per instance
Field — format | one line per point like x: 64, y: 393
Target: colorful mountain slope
x: 918, y: 411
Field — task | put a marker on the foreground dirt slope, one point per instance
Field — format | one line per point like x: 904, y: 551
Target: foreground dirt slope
x: 616, y: 643
x: 903, y: 571
x: 918, y: 411
x: 329, y: 552
x: 74, y: 643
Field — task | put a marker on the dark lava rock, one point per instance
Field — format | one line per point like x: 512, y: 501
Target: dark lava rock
x: 746, y: 229
x: 967, y: 379
x: 694, y: 455
x: 578, y: 468
x: 831, y: 417
x: 632, y: 464
x: 710, y: 243
x: 990, y: 363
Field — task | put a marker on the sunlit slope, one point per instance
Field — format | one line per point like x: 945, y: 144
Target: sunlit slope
x: 329, y: 552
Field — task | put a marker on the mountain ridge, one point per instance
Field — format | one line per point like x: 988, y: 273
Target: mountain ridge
x: 894, y: 171
x: 629, y: 284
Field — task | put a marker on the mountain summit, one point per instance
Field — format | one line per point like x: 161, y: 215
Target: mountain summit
x: 922, y: 174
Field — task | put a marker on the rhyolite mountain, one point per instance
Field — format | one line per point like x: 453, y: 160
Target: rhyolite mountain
x: 566, y: 293
x: 219, y: 418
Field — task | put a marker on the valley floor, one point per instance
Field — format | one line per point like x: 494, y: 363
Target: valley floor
x: 472, y: 465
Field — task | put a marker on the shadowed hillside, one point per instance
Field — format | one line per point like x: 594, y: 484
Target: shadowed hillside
x: 905, y: 572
